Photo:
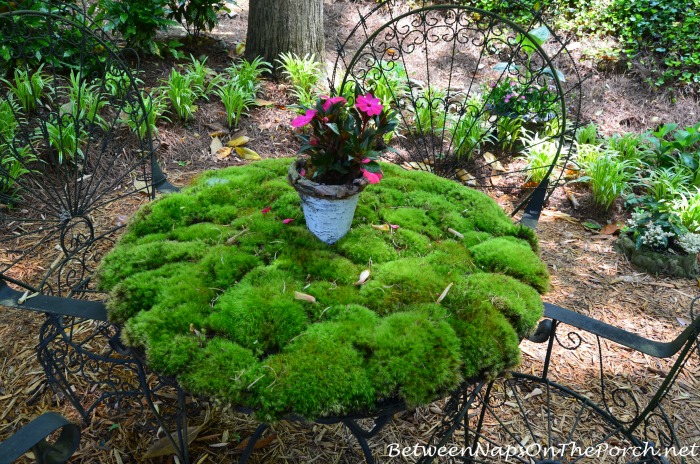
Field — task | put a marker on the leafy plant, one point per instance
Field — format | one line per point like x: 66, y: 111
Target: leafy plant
x: 586, y: 135
x: 303, y: 73
x: 430, y: 115
x: 650, y: 226
x: 196, y: 15
x: 8, y: 119
x: 203, y: 79
x: 665, y: 183
x: 541, y: 154
x: 28, y: 87
x: 248, y: 73
x: 609, y: 176
x: 137, y: 21
x: 66, y: 136
x: 468, y: 133
x: 85, y: 101
x: 630, y: 146
x: 388, y: 81
x: 154, y: 106
x: 117, y: 83
x: 236, y: 99
x: 509, y: 131
x: 510, y: 97
x: 180, y: 91
x: 686, y: 204
x: 342, y: 138
x: 13, y: 165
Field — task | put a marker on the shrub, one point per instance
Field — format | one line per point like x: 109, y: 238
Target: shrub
x: 137, y: 21
x: 608, y: 176
x: 196, y: 15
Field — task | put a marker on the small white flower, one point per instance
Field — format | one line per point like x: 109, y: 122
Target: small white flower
x: 690, y: 243
x: 655, y: 237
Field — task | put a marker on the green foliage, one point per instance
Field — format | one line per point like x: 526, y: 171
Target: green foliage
x: 182, y: 95
x: 387, y: 80
x: 304, y: 75
x: 66, y: 136
x: 248, y: 73
x: 202, y: 77
x: 143, y: 119
x: 236, y: 98
x: 27, y: 86
x: 430, y: 111
x: 609, y: 176
x: 586, y: 135
x: 206, y: 283
x: 541, y: 155
x: 85, y: 100
x: 468, y: 132
x: 196, y: 15
x: 666, y: 29
x: 136, y: 21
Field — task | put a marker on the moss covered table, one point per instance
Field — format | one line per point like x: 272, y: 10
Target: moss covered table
x: 215, y: 285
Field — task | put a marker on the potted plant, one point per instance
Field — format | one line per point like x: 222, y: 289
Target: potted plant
x: 342, y: 143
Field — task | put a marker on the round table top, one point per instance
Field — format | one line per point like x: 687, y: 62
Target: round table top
x: 224, y: 288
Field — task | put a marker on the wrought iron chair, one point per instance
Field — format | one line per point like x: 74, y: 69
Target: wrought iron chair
x: 466, y: 57
x: 33, y: 437
x: 77, y: 155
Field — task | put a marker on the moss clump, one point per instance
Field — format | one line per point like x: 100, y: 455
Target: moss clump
x: 514, y: 258
x: 205, y: 281
x: 408, y: 349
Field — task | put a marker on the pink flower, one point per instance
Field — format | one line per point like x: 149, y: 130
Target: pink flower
x: 372, y: 177
x: 266, y: 210
x: 393, y: 226
x: 302, y: 173
x: 366, y: 160
x: 328, y: 102
x: 304, y: 119
x: 369, y: 105
x: 287, y: 221
x: 313, y: 141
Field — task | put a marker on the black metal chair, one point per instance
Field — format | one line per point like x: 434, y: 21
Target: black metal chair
x: 33, y: 437
x: 77, y: 155
x: 465, y: 55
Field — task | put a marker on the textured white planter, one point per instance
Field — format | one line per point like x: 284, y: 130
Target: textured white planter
x: 328, y: 209
x: 329, y: 220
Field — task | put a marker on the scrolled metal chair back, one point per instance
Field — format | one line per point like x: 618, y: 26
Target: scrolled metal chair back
x: 77, y: 152
x: 480, y: 98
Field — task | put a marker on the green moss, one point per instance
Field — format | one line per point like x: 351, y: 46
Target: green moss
x: 318, y: 374
x: 260, y: 313
x: 364, y: 244
x: 125, y: 261
x: 409, y: 348
x: 231, y: 361
x: 513, y: 257
x: 519, y: 302
x: 205, y: 282
x: 401, y: 283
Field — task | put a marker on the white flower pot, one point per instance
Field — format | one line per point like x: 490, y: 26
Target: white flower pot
x: 329, y: 220
x: 328, y: 209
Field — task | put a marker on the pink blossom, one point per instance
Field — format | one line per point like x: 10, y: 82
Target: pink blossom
x: 328, y: 102
x: 266, y: 210
x: 393, y: 226
x: 304, y: 119
x: 302, y: 173
x: 313, y: 141
x: 287, y: 221
x: 369, y: 105
x: 366, y: 160
x: 372, y: 177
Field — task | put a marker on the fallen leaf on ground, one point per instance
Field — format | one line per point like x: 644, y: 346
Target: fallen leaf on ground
x: 223, y: 153
x: 238, y: 141
x: 247, y: 153
x: 258, y: 444
x: 560, y: 215
x: 612, y: 229
x: 215, y: 145
x: 261, y: 102
x: 382, y: 227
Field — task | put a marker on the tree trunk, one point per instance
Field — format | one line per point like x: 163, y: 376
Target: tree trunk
x: 284, y: 26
